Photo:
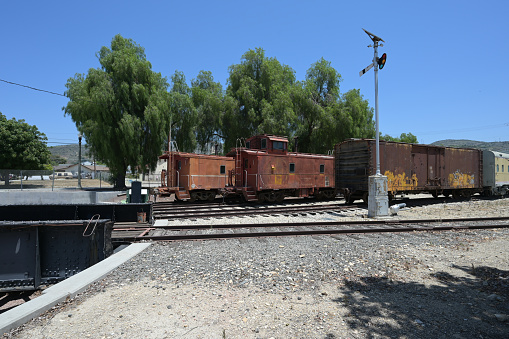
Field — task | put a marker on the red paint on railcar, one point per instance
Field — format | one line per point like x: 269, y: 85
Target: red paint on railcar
x: 195, y: 176
x: 266, y: 171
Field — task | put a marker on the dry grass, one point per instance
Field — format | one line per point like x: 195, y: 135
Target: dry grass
x: 59, y: 183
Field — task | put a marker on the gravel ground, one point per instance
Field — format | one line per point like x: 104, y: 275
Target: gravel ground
x: 419, y: 285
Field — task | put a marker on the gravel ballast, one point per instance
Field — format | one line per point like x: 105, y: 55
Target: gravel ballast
x: 419, y: 285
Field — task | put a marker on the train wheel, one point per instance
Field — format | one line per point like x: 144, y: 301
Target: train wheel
x: 271, y: 197
x: 193, y: 196
x: 456, y: 194
x: 280, y: 196
x: 212, y: 196
x: 466, y: 194
x: 349, y: 199
x: 261, y: 197
x: 329, y: 194
x: 434, y: 194
x: 446, y: 194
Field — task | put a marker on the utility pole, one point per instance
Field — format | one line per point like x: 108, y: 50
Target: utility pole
x: 79, y: 162
x: 378, y: 201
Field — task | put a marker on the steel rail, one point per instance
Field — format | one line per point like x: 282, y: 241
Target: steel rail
x: 318, y: 223
x: 250, y: 211
x: 329, y: 231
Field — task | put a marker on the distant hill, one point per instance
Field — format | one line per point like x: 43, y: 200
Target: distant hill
x: 70, y: 152
x: 501, y: 146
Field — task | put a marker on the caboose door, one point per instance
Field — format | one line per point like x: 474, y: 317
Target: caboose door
x: 435, y: 161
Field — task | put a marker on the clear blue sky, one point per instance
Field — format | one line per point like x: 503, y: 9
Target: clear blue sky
x: 446, y: 77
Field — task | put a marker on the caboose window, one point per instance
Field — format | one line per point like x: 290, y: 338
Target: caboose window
x: 277, y: 145
x: 222, y: 169
x: 497, y: 167
x: 179, y: 165
x: 292, y: 168
x: 502, y: 168
x: 245, y: 163
x: 248, y: 144
x: 264, y: 143
x: 322, y: 168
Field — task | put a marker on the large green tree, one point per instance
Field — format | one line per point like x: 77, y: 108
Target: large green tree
x: 258, y: 98
x: 317, y: 105
x: 356, y: 117
x: 183, y: 114
x: 22, y: 146
x: 207, y: 96
x: 121, y: 108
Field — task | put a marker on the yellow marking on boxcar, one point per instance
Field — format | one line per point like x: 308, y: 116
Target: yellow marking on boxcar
x: 278, y: 179
x: 461, y: 180
x: 400, y: 181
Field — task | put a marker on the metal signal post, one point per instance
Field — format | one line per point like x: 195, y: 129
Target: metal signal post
x: 378, y: 201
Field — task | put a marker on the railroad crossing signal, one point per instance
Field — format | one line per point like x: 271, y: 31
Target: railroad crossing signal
x: 381, y: 61
x: 378, y: 200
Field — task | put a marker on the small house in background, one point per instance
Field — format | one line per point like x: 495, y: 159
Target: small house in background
x: 87, y: 171
x: 154, y: 176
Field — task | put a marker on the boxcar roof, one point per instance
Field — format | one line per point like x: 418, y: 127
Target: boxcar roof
x: 406, y: 143
x: 500, y: 154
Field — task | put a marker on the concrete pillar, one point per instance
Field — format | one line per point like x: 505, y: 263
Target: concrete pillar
x: 378, y: 201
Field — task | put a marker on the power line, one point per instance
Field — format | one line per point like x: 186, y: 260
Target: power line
x: 35, y: 89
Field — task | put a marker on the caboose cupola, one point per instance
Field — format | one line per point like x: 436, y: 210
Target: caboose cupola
x: 270, y: 143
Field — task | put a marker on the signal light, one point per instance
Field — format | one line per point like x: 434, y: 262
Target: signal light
x: 381, y: 61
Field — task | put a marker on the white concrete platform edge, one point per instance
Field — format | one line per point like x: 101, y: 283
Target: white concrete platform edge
x: 68, y: 288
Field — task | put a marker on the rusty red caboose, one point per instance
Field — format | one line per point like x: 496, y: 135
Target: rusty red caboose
x: 195, y: 176
x: 266, y: 171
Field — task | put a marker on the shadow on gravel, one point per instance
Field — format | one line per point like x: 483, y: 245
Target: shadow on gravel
x: 474, y: 303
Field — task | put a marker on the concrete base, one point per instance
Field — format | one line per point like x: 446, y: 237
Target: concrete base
x: 40, y: 197
x: 378, y: 200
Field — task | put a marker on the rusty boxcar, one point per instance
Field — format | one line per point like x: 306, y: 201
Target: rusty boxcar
x: 266, y: 171
x: 195, y: 176
x: 410, y: 168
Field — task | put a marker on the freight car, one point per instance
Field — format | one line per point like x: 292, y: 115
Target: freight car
x: 409, y: 168
x: 266, y: 171
x: 195, y: 176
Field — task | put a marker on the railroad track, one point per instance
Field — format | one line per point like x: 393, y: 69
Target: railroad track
x: 195, y: 212
x: 238, y: 231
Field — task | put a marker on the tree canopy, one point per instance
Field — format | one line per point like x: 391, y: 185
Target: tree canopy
x: 22, y: 146
x: 258, y: 98
x: 121, y: 108
x: 404, y: 137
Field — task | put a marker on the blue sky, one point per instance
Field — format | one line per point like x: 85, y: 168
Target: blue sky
x: 446, y: 77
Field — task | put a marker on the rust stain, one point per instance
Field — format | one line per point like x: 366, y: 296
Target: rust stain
x: 461, y: 180
x: 400, y: 181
